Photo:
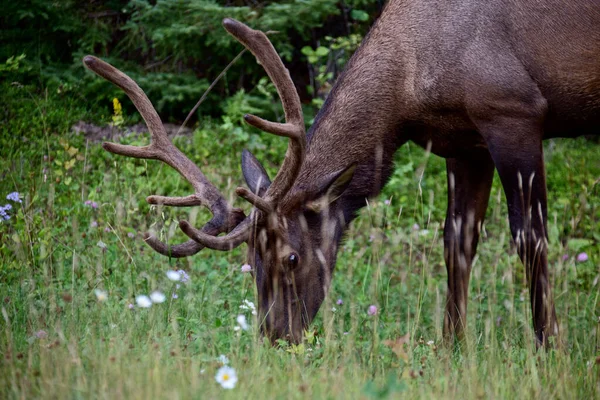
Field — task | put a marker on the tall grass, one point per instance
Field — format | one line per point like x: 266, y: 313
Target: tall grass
x: 58, y: 341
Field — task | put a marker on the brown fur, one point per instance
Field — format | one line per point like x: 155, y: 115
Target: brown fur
x: 482, y: 83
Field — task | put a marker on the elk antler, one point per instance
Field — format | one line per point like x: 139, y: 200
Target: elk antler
x: 258, y: 43
x: 225, y: 218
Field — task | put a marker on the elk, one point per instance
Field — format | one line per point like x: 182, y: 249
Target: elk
x: 479, y: 83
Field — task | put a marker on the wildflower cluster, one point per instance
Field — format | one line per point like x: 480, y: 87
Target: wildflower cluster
x: 90, y: 203
x: 242, y: 322
x: 14, y: 196
x: 158, y: 297
x: 142, y: 300
x: 155, y: 297
x: 178, y: 276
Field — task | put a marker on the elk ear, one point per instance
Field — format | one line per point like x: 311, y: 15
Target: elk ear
x: 255, y: 175
x: 331, y: 188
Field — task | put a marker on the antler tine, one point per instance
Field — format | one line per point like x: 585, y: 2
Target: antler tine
x: 254, y: 199
x: 258, y: 43
x: 161, y: 148
x: 237, y: 236
x: 182, y: 250
x: 190, y: 247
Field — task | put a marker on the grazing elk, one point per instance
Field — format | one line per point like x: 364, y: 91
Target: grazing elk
x: 482, y: 83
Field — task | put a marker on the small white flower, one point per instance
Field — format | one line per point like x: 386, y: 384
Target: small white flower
x: 333, y: 309
x: 143, y: 301
x: 101, y: 295
x: 248, y: 305
x: 246, y: 268
x: 157, y: 297
x: 223, y: 359
x: 241, y: 320
x: 101, y: 244
x: 174, y: 276
x: 430, y: 343
x: 226, y: 377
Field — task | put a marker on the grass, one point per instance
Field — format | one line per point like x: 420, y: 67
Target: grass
x: 58, y: 341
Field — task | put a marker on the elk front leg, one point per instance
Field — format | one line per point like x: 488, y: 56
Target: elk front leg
x: 516, y: 148
x: 469, y: 182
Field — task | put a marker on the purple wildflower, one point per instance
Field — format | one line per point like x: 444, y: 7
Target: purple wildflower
x: 94, y: 224
x: 565, y: 257
x: 41, y: 334
x: 372, y: 310
x: 107, y: 229
x: 339, y: 302
x: 184, y: 276
x: 130, y: 235
x: 3, y: 214
x: 582, y: 257
x: 14, y: 196
x: 246, y: 268
x: 90, y: 203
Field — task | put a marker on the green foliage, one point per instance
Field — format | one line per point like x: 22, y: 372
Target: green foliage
x: 172, y: 48
x: 326, y: 63
x: 56, y: 250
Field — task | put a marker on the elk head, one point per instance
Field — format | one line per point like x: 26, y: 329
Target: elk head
x: 292, y: 231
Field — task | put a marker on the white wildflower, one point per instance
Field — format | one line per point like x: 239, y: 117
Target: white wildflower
x: 241, y: 320
x: 226, y: 377
x: 248, y: 305
x: 143, y: 301
x: 101, y: 295
x: 174, y: 276
x: 157, y: 297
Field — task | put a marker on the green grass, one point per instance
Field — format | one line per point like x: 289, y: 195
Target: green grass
x: 51, y: 263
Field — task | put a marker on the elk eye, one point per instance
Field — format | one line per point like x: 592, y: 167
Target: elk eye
x: 293, y: 260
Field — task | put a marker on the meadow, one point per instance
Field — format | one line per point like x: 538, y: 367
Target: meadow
x: 73, y: 262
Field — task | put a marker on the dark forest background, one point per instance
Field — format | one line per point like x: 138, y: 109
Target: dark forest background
x: 175, y: 48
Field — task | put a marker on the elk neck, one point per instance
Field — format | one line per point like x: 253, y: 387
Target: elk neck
x: 360, y: 122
